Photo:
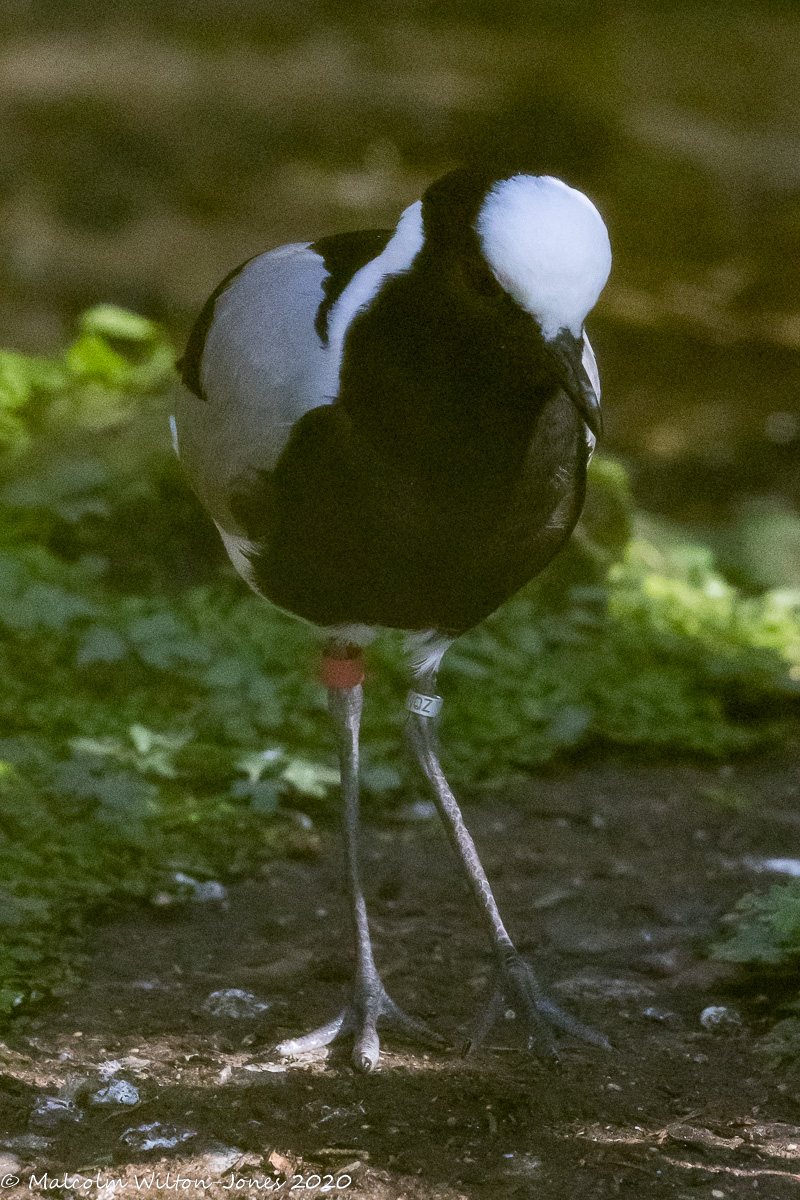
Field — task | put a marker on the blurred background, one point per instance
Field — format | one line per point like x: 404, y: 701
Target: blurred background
x: 147, y: 148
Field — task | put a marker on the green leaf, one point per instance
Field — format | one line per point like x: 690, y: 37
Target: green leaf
x: 109, y: 321
x: 92, y: 357
x: 100, y: 645
x: 264, y: 796
x: 309, y: 779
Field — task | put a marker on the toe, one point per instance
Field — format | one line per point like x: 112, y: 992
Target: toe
x: 366, y: 1050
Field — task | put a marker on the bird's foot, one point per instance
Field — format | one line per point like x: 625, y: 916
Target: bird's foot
x: 371, y: 1003
x: 519, y: 990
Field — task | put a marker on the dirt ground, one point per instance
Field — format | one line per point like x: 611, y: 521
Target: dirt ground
x: 613, y: 879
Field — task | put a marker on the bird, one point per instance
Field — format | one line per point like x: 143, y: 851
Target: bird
x: 391, y: 430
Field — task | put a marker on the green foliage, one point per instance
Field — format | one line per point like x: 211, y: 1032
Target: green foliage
x: 765, y: 931
x: 159, y: 717
x: 781, y: 1046
x: 766, y: 927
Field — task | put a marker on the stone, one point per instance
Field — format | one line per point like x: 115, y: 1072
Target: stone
x: 234, y: 1003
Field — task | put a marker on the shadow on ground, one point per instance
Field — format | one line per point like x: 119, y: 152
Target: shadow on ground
x: 612, y: 879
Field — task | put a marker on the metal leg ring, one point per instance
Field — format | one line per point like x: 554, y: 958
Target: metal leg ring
x: 424, y: 706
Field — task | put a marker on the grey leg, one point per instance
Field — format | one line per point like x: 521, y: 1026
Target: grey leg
x: 517, y: 983
x: 370, y: 1000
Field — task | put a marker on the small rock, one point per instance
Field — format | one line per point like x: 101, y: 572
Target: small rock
x: 350, y: 1168
x: 28, y: 1141
x: 118, y: 1091
x: 9, y: 1164
x: 109, y: 1067
x: 522, y: 1164
x: 216, y: 1162
x: 419, y: 810
x: 658, y: 1014
x: 156, y: 1136
x: 303, y: 820
x: 233, y: 1002
x: 134, y: 1063
x: 720, y: 1018
x: 780, y: 866
x: 50, y: 1111
x: 201, y: 891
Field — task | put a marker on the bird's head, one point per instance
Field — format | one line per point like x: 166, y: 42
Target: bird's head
x: 537, y: 241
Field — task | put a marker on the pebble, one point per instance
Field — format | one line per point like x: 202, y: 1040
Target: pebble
x: 118, y: 1091
x: 419, y: 810
x: 28, y: 1141
x: 522, y: 1164
x: 217, y: 1162
x: 781, y: 866
x: 233, y: 1002
x: 720, y: 1018
x: 658, y: 1014
x: 109, y: 1067
x: 202, y: 892
x: 156, y: 1136
x: 50, y: 1111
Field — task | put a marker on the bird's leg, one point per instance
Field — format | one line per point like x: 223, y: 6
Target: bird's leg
x: 517, y: 985
x: 370, y: 1001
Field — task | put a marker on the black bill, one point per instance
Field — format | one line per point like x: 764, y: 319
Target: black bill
x: 567, y: 353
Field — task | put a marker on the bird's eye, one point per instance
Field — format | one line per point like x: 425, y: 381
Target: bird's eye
x: 480, y: 280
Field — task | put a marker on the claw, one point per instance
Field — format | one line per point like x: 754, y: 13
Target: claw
x: 361, y: 1017
x: 519, y: 987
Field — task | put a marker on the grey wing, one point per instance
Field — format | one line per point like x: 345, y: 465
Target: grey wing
x: 590, y: 367
x: 263, y: 367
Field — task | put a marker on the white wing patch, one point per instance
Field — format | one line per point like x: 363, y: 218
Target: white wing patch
x: 239, y: 548
x: 263, y: 368
x: 396, y: 257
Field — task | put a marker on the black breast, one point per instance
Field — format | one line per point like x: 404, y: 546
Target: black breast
x: 354, y: 538
x: 448, y: 472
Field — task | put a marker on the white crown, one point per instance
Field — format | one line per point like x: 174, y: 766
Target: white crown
x: 548, y: 248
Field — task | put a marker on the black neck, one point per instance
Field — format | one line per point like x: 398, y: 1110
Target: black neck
x: 472, y: 417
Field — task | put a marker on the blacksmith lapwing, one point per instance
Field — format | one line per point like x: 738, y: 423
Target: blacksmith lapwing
x: 391, y: 429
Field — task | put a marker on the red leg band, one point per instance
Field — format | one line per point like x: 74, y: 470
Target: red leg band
x: 341, y: 672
